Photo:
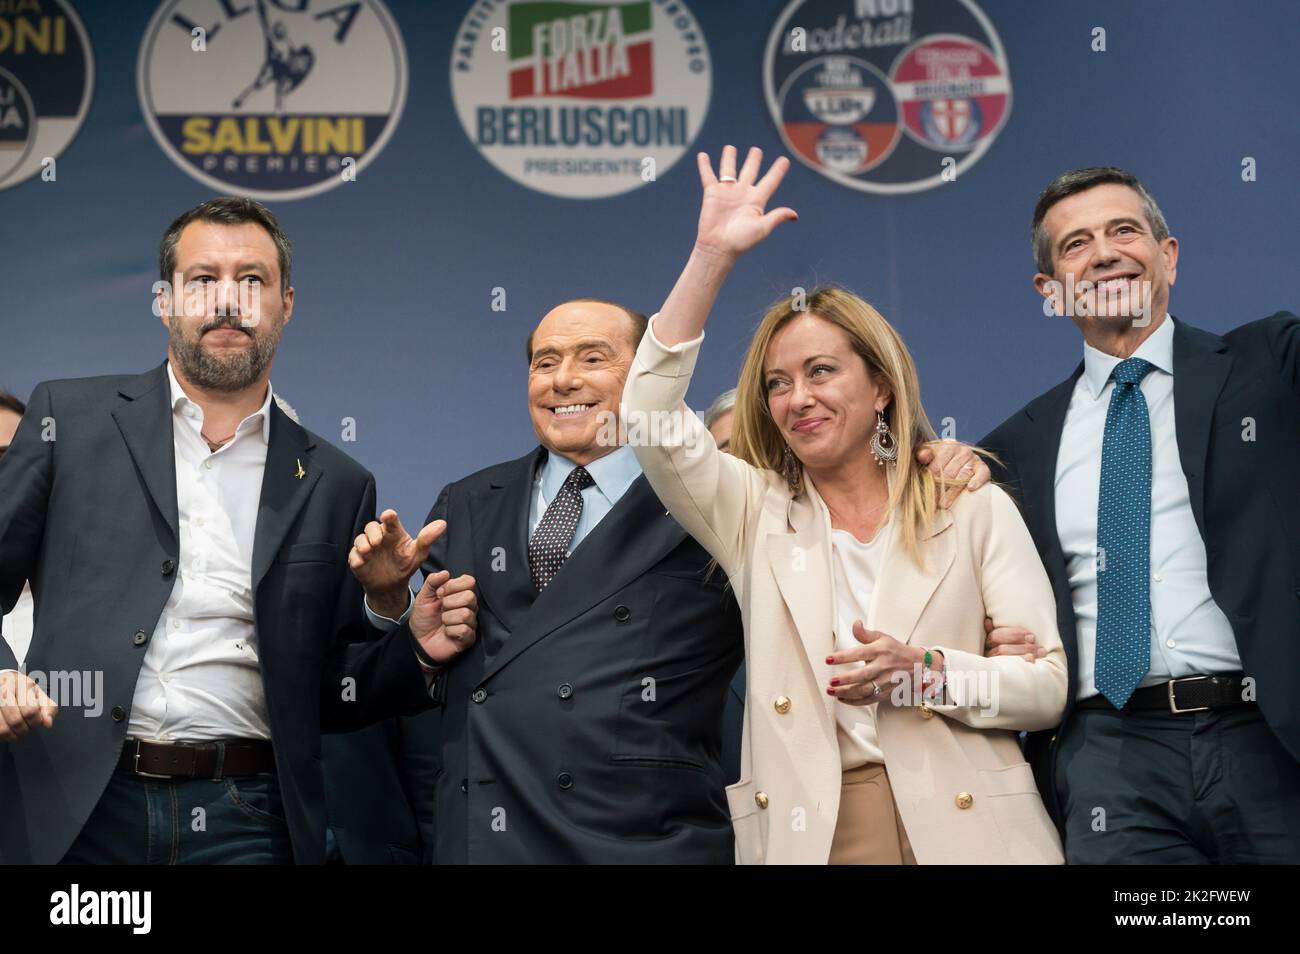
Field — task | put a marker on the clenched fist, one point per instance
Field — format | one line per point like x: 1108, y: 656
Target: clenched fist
x: 445, y: 616
x: 23, y: 706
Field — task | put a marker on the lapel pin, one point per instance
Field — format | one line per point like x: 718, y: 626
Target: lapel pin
x: 300, y: 473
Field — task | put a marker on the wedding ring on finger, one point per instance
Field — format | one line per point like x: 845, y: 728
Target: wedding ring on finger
x: 726, y: 178
x: 875, y: 690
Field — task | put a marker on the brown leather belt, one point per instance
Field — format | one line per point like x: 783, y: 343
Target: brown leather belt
x: 1181, y: 696
x: 214, y: 760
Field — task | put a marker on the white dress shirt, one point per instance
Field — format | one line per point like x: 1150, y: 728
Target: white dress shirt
x: 200, y: 678
x: 856, y: 567
x: 17, y: 625
x: 1189, y: 633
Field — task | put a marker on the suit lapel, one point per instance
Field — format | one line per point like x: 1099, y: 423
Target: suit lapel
x: 499, y: 520
x: 904, y: 588
x: 801, y: 563
x: 1036, y: 456
x: 635, y: 535
x: 291, y: 474
x: 1036, y: 462
x: 1200, y: 370
x: 146, y: 426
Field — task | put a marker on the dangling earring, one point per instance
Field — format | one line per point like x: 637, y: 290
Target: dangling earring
x: 883, y: 446
x: 790, y: 469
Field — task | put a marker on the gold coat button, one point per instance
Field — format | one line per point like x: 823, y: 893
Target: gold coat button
x: 782, y: 704
x: 965, y: 799
x: 760, y: 799
x: 926, y: 712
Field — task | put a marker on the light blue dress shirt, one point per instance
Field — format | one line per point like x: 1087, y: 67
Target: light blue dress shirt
x: 613, y: 475
x: 1189, y: 633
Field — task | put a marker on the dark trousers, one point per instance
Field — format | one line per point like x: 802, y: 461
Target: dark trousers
x: 153, y: 821
x: 1157, y: 788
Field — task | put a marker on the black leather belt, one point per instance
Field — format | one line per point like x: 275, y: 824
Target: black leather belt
x: 214, y: 760
x: 1180, y: 696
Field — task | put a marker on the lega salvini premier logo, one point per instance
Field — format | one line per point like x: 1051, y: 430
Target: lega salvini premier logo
x: 269, y: 98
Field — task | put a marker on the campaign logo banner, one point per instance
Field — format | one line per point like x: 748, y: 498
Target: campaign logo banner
x: 274, y: 99
x: 47, y: 76
x: 887, y: 95
x: 581, y: 98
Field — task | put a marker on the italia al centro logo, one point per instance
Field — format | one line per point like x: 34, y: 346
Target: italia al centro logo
x: 275, y: 99
x: 887, y: 96
x: 581, y: 98
x: 47, y: 75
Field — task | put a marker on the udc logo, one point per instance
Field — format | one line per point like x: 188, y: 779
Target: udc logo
x: 875, y: 94
x: 272, y: 98
x: 47, y: 74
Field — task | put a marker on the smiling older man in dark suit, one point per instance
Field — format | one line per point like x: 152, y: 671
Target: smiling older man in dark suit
x: 584, y: 725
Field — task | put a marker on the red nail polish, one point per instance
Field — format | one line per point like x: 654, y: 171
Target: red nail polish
x: 830, y: 692
x: 835, y: 682
x: 830, y: 660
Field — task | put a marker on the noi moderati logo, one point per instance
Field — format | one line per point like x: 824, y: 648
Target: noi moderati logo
x: 272, y: 98
x: 887, y: 96
x: 583, y: 98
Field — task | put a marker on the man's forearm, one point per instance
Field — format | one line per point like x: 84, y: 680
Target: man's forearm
x: 391, y: 604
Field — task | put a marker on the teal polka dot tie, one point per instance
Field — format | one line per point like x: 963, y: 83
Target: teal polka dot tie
x: 1124, y: 538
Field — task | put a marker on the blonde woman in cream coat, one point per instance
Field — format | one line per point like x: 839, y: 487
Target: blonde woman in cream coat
x: 849, y: 576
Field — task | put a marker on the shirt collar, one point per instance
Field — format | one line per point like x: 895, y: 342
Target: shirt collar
x: 180, y: 401
x: 1157, y: 349
x: 613, y: 473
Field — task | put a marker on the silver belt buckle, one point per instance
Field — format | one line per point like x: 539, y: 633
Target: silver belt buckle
x: 1173, y: 706
x: 135, y: 765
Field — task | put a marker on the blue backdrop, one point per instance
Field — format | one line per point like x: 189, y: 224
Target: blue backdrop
x: 395, y: 271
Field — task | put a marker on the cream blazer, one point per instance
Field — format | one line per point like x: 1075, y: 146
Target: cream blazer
x: 962, y: 786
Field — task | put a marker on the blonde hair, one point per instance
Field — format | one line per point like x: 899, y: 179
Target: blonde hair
x: 756, y: 439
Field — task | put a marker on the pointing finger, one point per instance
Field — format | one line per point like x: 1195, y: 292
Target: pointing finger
x: 392, y: 525
x: 431, y: 532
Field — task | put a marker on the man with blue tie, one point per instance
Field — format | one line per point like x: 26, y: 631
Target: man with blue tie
x: 584, y: 724
x: 1159, y: 484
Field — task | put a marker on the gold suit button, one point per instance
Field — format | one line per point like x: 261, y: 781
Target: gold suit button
x: 926, y: 712
x: 760, y: 799
x: 782, y: 704
x: 965, y: 799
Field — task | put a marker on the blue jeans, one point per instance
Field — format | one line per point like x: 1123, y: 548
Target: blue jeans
x: 154, y: 821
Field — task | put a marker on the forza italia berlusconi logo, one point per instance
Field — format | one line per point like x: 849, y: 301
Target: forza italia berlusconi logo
x: 581, y: 98
x: 273, y: 99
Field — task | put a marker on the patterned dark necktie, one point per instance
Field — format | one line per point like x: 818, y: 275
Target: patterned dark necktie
x: 549, y: 546
x: 1124, y: 538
